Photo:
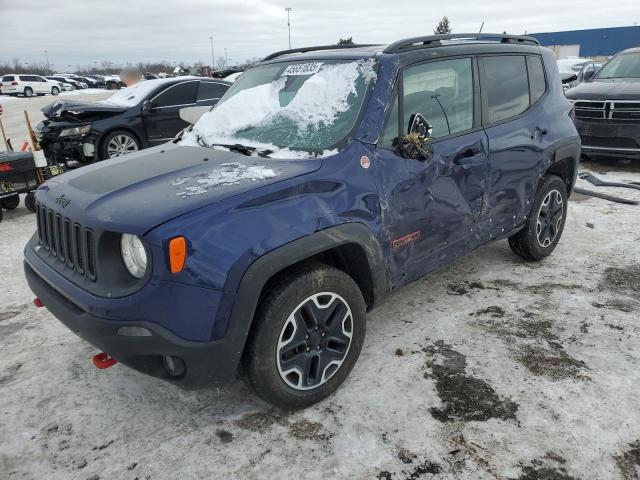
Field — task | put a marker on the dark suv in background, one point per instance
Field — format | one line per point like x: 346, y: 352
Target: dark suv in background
x: 76, y: 133
x: 262, y: 236
x: 607, y: 108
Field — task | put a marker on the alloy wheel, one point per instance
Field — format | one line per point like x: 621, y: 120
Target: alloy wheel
x: 121, y: 145
x: 549, y: 218
x: 314, y: 341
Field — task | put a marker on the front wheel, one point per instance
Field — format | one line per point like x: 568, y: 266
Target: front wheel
x: 118, y: 143
x: 545, y: 224
x: 308, y: 334
x: 10, y: 203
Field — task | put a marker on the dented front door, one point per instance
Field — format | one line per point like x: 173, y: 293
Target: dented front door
x: 430, y: 208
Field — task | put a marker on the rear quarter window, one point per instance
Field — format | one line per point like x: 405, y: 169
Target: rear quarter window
x: 536, y: 78
x: 7, y: 78
x: 211, y: 90
x: 506, y: 86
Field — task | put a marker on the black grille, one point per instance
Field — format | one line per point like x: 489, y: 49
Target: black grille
x: 612, y: 142
x: 627, y: 111
x: 67, y: 242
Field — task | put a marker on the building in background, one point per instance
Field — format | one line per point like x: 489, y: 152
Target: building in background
x: 596, y: 43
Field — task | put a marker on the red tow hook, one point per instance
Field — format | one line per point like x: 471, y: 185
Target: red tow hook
x: 103, y: 360
x: 38, y: 303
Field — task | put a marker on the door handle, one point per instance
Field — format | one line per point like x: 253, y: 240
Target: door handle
x: 466, y: 156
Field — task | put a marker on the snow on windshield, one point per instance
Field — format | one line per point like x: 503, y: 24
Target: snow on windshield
x: 133, y: 95
x: 226, y: 174
x: 320, y: 100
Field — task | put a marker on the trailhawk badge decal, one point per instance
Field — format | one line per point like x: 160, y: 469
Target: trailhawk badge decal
x: 63, y: 201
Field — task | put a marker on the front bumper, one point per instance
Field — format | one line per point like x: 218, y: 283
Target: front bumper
x: 199, y: 364
x: 609, y: 138
x: 61, y: 150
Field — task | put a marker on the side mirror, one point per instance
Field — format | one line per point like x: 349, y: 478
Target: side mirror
x: 588, y: 75
x: 146, y: 106
x: 413, y: 144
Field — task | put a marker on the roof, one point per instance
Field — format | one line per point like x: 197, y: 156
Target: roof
x: 595, y: 42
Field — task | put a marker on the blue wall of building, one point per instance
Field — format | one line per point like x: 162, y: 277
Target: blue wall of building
x: 596, y: 41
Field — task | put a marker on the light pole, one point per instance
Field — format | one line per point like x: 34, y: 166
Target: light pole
x: 213, y: 62
x: 288, y: 10
x: 226, y: 59
x: 46, y: 53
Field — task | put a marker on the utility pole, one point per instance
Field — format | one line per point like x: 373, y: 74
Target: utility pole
x: 213, y: 62
x: 288, y: 10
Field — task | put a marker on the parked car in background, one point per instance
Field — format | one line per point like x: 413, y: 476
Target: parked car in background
x: 260, y: 239
x: 607, y: 108
x: 29, y: 85
x: 569, y: 68
x: 91, y: 82
x: 80, y: 83
x: 113, y: 82
x: 586, y: 72
x: 226, y: 72
x: 64, y: 85
x: 146, y: 114
x: 76, y: 84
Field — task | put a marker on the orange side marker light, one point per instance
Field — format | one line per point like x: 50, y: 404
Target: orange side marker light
x: 177, y: 254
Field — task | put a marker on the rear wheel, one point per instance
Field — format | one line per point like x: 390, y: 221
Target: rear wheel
x: 545, y: 224
x: 10, y: 203
x: 28, y: 92
x: 118, y: 143
x: 308, y: 334
x: 55, y: 90
x: 30, y: 201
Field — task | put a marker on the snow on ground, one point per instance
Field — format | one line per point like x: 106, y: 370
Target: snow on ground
x: 86, y: 91
x: 492, y: 368
x: 7, y: 99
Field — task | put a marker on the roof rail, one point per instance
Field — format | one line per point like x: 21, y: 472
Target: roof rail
x: 313, y: 49
x: 436, y: 40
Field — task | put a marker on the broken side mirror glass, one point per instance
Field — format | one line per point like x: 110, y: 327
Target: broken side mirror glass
x: 414, y: 143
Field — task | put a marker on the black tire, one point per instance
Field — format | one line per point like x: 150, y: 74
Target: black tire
x: 325, y: 346
x: 28, y: 92
x: 106, y: 141
x: 534, y: 242
x: 55, y: 90
x: 10, y: 203
x: 30, y: 202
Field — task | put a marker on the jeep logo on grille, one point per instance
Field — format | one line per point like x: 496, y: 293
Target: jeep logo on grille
x: 62, y: 201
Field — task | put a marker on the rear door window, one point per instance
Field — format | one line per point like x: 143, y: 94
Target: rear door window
x: 506, y: 87
x: 211, y: 90
x: 179, y: 94
x: 27, y: 78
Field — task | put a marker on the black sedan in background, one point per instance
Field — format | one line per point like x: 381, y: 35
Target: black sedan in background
x: 146, y: 114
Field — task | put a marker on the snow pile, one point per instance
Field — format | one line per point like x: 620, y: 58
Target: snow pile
x: 319, y: 100
x: 226, y: 174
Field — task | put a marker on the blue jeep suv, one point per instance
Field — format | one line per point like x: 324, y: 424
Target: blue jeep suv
x: 256, y: 242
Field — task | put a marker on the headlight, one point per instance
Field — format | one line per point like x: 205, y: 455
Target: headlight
x: 134, y: 255
x: 75, y: 131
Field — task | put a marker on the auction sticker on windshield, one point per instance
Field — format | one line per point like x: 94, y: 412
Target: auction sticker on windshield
x: 302, y: 69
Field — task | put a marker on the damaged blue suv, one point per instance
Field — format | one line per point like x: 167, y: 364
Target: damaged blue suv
x: 256, y: 242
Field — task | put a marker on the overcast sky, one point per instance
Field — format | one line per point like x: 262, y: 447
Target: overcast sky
x: 80, y: 32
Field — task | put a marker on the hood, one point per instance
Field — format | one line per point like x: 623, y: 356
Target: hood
x: 70, y: 110
x: 141, y: 190
x: 610, y: 89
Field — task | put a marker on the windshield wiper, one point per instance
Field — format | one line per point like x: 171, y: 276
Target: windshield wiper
x: 237, y: 147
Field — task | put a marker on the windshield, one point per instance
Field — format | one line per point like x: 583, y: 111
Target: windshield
x: 626, y: 65
x: 288, y: 107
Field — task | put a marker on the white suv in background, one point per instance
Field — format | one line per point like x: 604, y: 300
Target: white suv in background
x: 29, y: 85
